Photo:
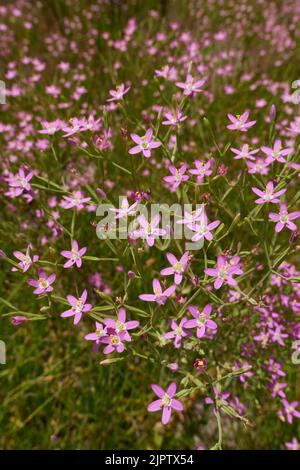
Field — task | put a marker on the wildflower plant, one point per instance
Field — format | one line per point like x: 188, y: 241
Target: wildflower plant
x: 117, y: 108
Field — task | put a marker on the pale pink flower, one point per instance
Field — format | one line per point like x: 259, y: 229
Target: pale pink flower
x: 25, y: 260
x: 178, y: 332
x: 159, y: 296
x: 239, y: 122
x: 74, y: 255
x: 283, y: 219
x: 244, y: 152
x: 177, y: 176
x: 121, y: 325
x: 202, y: 169
x: 166, y: 402
x: 224, y: 271
x: 148, y: 231
x: 177, y: 268
x: 201, y: 320
x: 191, y: 86
x: 43, y: 283
x: 144, y: 144
x: 118, y: 93
x: 78, y: 307
x: 277, y: 153
x: 268, y: 195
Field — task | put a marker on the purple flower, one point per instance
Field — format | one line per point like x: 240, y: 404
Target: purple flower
x: 202, y: 169
x: 18, y: 320
x: 74, y: 256
x: 284, y: 219
x: 76, y: 200
x: 177, y: 267
x: 202, y: 228
x: 144, y: 144
x: 148, y: 231
x: 269, y: 195
x: 174, y: 119
x: 288, y: 412
x: 201, y: 320
x: 177, y: 176
x: 159, y: 295
x: 120, y: 325
x: 277, y: 153
x: 99, y: 333
x: 125, y: 209
x: 78, y: 307
x: 114, y: 342
x: 191, y: 86
x: 43, y: 283
x: 118, y: 93
x: 244, y: 152
x: 224, y: 271
x: 166, y: 402
x: 239, y: 122
x: 178, y: 332
x: 25, y: 260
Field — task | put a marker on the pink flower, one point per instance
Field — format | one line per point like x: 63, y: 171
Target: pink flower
x: 167, y: 72
x: 293, y: 445
x: 259, y: 166
x: 190, y: 86
x: 43, y: 283
x: 288, y: 412
x: 74, y: 256
x: 114, y: 342
x: 201, y: 320
x: 76, y: 200
x: 224, y: 271
x: 203, y: 229
x: 159, y: 296
x: 284, y: 218
x: 120, y: 325
x: 178, y: 332
x: 177, y: 176
x: 174, y: 119
x: 239, y: 122
x: 118, y: 93
x: 144, y: 144
x: 177, y: 267
x: 202, y: 169
x: 20, y: 182
x: 148, y: 231
x: 99, y: 333
x: 244, y: 152
x: 166, y: 401
x: 25, y: 260
x: 277, y: 153
x: 50, y: 128
x: 189, y: 218
x: 268, y: 195
x: 125, y: 209
x: 18, y: 320
x: 78, y: 307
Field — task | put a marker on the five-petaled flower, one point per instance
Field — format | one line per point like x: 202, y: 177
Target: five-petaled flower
x: 268, y: 195
x: 177, y: 267
x: 74, y: 256
x: 118, y: 93
x: 166, y: 401
x: 144, y: 144
x: 25, y: 260
x: 239, y: 122
x: 120, y: 325
x: 191, y: 86
x: 277, y: 153
x: 224, y: 271
x: 78, y: 307
x: 201, y: 320
x: 43, y: 283
x: 148, y: 231
x: 159, y: 296
x: 283, y: 219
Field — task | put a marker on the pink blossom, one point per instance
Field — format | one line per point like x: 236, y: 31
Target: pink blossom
x: 99, y: 333
x: 144, y: 144
x: 25, y: 260
x: 277, y: 153
x: 118, y: 93
x: 239, y: 122
x: 74, y: 256
x: 178, y: 332
x: 202, y: 169
x: 177, y: 267
x: 78, y: 307
x: 173, y: 119
x: 43, y: 283
x: 224, y: 271
x: 202, y: 228
x: 288, y: 412
x: 177, y: 176
x: 268, y: 195
x: 244, y: 152
x: 191, y: 86
x: 20, y: 182
x: 76, y: 200
x: 159, y: 296
x: 120, y: 325
x: 201, y: 320
x: 166, y: 402
x: 114, y: 342
x: 125, y: 209
x: 149, y: 231
x: 284, y: 219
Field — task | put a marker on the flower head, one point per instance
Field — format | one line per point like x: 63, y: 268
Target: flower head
x: 166, y: 401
